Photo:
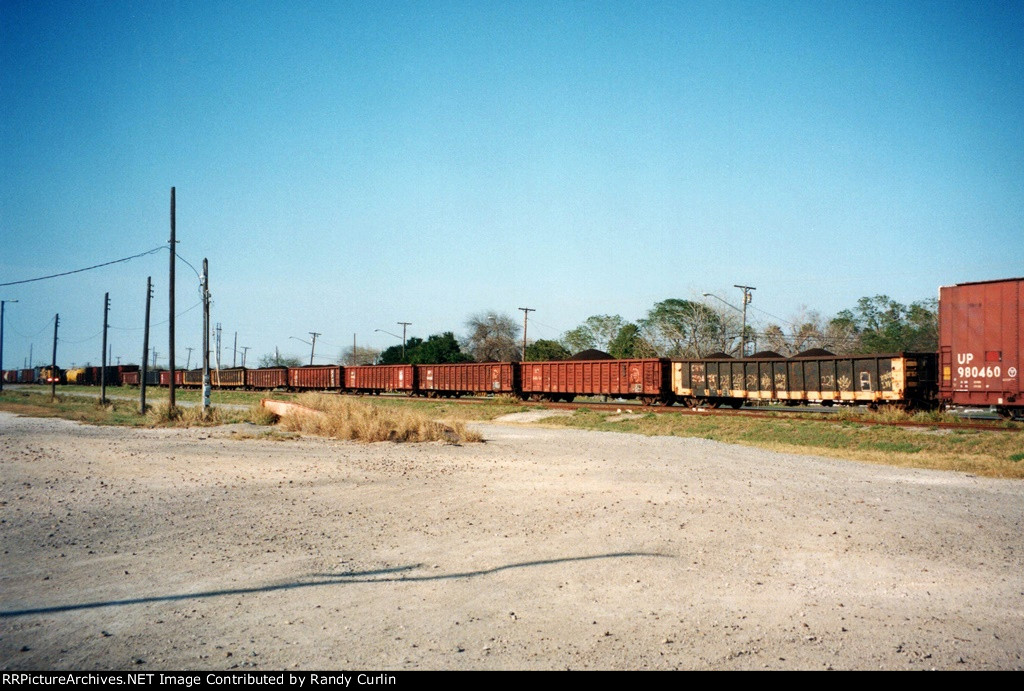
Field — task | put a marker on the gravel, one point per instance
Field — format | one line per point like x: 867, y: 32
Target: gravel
x: 539, y: 549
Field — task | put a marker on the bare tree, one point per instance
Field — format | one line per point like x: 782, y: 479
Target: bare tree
x: 361, y: 356
x: 279, y: 360
x: 685, y: 328
x: 492, y: 337
x: 807, y: 330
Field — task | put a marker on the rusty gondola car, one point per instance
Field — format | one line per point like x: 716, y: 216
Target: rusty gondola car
x: 467, y: 378
x: 645, y: 379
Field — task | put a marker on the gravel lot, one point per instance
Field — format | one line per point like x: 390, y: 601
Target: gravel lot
x: 542, y: 548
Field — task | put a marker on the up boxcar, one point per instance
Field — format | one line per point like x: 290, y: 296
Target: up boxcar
x: 981, y: 345
x: 267, y: 378
x: 318, y: 377
x: 647, y: 379
x: 467, y: 378
x: 376, y: 379
x: 27, y: 376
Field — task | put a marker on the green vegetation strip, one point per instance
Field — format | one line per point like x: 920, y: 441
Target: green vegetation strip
x: 989, y: 453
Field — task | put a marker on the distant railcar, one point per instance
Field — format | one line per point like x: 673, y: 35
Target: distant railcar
x: 267, y: 378
x: 377, y: 379
x: 315, y: 377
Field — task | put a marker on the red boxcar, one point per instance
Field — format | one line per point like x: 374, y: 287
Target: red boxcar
x: 165, y: 377
x: 981, y: 345
x: 267, y: 378
x: 380, y: 378
x: 318, y: 377
x: 130, y: 378
x: 467, y: 378
x: 647, y: 379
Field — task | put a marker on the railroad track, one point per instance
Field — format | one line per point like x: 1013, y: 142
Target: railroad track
x: 827, y: 415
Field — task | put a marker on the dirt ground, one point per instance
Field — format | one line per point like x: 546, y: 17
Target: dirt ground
x: 541, y: 548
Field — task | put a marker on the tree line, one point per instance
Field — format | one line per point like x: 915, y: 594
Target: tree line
x: 673, y: 328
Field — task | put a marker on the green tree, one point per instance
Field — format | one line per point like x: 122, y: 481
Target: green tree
x: 885, y: 326
x: 580, y: 338
x: 394, y: 356
x: 628, y: 343
x: 545, y: 349
x: 440, y: 348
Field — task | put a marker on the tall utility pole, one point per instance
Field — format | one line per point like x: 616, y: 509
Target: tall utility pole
x: 145, y: 349
x: 2, y: 303
x: 206, y: 337
x: 217, y: 359
x: 404, y: 326
x: 746, y: 301
x: 103, y: 367
x: 312, y: 350
x: 245, y: 351
x: 234, y: 352
x: 526, y: 313
x: 188, y: 360
x: 53, y: 372
x: 174, y: 248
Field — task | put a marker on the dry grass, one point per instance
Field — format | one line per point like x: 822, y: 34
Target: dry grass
x: 258, y: 415
x: 163, y: 415
x: 345, y: 418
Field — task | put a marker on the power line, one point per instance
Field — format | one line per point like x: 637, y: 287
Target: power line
x: 88, y: 268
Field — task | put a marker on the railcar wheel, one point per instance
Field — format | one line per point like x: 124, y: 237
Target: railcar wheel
x: 736, y: 403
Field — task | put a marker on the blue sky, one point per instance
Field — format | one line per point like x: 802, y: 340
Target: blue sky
x: 346, y: 166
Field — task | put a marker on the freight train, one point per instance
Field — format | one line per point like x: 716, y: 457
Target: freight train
x: 978, y: 364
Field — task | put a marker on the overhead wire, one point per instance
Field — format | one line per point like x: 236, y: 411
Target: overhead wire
x: 88, y: 268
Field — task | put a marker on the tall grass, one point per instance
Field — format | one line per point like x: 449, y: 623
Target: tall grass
x: 345, y: 418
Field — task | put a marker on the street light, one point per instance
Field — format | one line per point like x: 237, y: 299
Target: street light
x: 402, y: 337
x: 312, y: 345
x: 743, y: 333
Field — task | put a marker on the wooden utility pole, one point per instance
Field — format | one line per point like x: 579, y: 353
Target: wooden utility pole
x: 206, y: 337
x: 404, y: 325
x: 746, y: 301
x: 526, y: 313
x: 312, y: 350
x: 174, y: 249
x: 103, y: 368
x: 145, y: 349
x: 53, y: 371
x: 2, y: 303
